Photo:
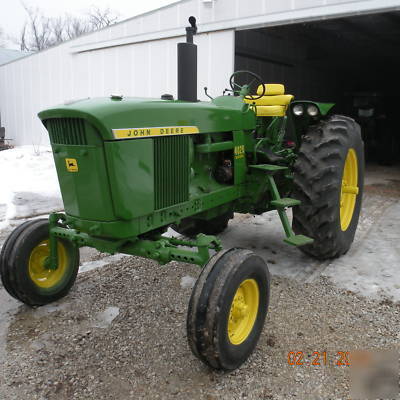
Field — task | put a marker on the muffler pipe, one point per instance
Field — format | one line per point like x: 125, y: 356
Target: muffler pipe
x: 187, y: 65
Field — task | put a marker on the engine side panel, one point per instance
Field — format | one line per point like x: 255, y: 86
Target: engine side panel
x: 131, y: 171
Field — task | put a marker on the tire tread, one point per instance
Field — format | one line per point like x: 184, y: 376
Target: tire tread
x: 317, y: 175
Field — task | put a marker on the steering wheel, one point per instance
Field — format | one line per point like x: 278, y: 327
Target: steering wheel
x: 246, y: 89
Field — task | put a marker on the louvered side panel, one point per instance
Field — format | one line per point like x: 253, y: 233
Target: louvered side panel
x: 171, y: 171
x: 69, y: 131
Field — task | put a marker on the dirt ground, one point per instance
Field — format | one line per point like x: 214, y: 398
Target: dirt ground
x: 121, y: 332
x: 69, y: 350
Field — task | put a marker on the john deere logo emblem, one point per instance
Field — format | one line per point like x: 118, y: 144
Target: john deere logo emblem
x: 72, y: 164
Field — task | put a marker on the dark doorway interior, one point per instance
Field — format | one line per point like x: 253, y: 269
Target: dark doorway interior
x: 352, y: 61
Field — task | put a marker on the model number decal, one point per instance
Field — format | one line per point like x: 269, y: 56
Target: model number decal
x: 138, y: 133
x: 239, y: 151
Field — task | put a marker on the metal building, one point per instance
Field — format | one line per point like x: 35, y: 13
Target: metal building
x: 319, y: 48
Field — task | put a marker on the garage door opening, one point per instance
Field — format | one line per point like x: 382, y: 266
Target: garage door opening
x: 352, y: 61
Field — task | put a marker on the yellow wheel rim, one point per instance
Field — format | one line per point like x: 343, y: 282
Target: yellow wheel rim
x: 39, y: 274
x: 349, y: 191
x: 243, y: 312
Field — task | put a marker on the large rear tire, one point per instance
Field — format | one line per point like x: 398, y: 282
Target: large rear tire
x: 328, y: 179
x: 23, y: 268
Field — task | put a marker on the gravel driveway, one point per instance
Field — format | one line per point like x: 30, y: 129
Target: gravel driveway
x: 120, y: 334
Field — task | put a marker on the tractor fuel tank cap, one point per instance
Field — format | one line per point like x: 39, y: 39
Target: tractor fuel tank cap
x: 115, y: 96
x: 167, y: 96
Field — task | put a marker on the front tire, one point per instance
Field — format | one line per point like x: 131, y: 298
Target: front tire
x: 227, y: 308
x: 328, y: 180
x: 23, y: 271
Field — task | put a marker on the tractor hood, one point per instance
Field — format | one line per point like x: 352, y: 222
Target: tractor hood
x: 223, y: 114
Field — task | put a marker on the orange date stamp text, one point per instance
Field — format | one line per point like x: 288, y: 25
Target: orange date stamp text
x: 320, y: 358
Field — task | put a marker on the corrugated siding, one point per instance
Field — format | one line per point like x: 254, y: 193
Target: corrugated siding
x: 140, y: 70
x: 135, y: 65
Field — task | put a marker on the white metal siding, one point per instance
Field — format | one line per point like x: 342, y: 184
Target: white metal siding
x: 141, y: 70
x: 138, y: 56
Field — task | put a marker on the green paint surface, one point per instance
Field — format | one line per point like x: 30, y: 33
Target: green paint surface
x: 121, y: 194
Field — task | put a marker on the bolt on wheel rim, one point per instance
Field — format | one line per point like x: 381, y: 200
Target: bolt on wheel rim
x: 39, y: 274
x: 349, y: 189
x: 243, y: 311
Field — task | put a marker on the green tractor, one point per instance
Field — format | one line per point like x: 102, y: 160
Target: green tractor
x: 129, y: 168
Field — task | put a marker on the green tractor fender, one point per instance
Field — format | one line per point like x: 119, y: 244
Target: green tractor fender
x: 307, y: 108
x: 304, y: 113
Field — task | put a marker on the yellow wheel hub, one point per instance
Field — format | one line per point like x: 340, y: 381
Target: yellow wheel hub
x: 39, y: 274
x: 243, y: 312
x: 349, y: 190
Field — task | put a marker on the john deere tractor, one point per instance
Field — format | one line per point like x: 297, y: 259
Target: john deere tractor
x: 129, y: 168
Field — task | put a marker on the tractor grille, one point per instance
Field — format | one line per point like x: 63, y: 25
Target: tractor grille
x: 66, y: 131
x: 171, y: 171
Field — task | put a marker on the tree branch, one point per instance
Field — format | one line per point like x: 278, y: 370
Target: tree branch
x: 41, y: 32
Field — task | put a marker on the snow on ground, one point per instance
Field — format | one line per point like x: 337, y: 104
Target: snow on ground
x: 370, y: 268
x: 29, y: 185
x: 187, y: 282
x: 373, y: 268
x: 104, y: 318
x: 90, y: 265
x: 30, y: 189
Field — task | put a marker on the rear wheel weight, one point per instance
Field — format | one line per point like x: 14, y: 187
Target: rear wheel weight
x: 227, y: 308
x: 26, y: 274
x: 328, y: 180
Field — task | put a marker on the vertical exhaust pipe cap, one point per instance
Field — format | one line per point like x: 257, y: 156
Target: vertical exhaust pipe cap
x: 187, y: 65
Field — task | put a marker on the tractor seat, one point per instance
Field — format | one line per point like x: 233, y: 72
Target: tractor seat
x: 274, y: 103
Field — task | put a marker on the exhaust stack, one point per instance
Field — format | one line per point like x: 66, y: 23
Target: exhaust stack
x: 187, y: 65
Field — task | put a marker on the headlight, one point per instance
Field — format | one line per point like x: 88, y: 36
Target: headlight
x: 312, y: 110
x: 298, y: 110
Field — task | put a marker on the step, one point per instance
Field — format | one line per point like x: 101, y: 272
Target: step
x: 285, y: 202
x: 268, y: 168
x: 298, y: 240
